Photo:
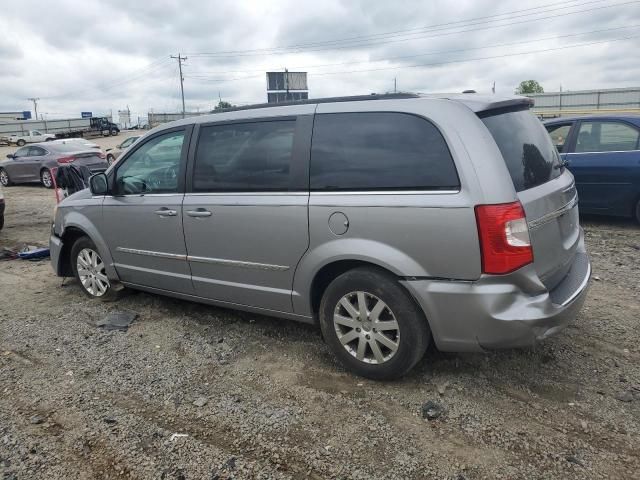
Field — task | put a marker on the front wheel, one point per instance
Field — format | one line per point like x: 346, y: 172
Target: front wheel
x: 372, y: 324
x: 21, y: 143
x: 89, y: 270
x: 114, y: 132
x: 46, y: 179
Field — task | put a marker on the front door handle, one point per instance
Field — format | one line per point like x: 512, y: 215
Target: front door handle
x: 165, y: 212
x: 200, y: 212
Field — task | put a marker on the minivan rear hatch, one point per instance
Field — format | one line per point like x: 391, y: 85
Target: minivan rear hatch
x: 544, y: 187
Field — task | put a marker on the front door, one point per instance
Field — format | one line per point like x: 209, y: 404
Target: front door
x: 143, y: 217
x: 605, y: 163
x: 21, y: 169
x: 245, y: 221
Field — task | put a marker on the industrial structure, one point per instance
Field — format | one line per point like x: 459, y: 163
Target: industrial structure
x: 587, y: 102
x: 287, y: 86
x: 11, y: 116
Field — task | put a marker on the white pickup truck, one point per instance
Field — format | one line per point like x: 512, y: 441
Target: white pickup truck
x: 30, y: 136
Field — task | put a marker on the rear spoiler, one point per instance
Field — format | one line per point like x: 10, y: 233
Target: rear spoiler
x: 487, y: 105
x: 506, y: 107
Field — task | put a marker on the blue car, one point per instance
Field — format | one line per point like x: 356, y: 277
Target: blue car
x: 603, y: 153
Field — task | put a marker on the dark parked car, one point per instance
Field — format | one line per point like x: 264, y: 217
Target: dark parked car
x: 603, y: 153
x: 33, y: 163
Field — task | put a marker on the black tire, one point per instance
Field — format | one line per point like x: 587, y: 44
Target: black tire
x: 114, y: 132
x: 1, y: 221
x: 46, y: 178
x: 413, y: 334
x: 5, y: 181
x: 21, y: 143
x: 81, y: 244
x: 49, y: 139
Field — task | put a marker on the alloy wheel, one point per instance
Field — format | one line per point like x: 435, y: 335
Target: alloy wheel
x: 366, y: 327
x: 46, y: 178
x: 91, y: 272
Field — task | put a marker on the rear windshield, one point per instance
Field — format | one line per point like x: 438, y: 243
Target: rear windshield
x: 68, y: 147
x: 526, y: 147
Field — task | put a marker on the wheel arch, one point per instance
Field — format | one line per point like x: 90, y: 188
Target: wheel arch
x: 76, y: 226
x: 318, y: 269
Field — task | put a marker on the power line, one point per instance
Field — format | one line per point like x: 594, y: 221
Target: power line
x: 301, y: 48
x: 403, y: 57
x: 445, y: 62
x: 483, y: 58
x: 131, y: 77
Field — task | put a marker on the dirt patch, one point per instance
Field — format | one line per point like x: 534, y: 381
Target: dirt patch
x: 273, y: 402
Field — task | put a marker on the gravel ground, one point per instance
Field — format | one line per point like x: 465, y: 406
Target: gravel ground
x: 196, y: 392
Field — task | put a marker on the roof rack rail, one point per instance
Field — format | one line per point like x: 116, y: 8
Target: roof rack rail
x: 311, y: 101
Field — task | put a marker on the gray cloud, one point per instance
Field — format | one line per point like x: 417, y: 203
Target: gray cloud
x: 105, y: 55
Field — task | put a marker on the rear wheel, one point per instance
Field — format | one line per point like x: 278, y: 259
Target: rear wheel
x: 89, y: 270
x: 21, y: 143
x: 4, y: 178
x: 45, y: 178
x: 114, y: 132
x: 372, y: 324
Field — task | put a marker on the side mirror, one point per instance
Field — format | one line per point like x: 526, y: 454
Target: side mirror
x: 10, y: 155
x: 98, y: 184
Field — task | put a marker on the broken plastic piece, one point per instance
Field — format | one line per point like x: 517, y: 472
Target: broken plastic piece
x: 117, y: 321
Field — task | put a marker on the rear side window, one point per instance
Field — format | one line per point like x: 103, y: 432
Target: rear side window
x: 526, y: 148
x: 244, y: 157
x: 379, y: 151
x: 606, y: 137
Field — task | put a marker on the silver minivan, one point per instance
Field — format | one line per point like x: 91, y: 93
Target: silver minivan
x: 389, y: 221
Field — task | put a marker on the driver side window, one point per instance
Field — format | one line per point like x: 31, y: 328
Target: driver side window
x: 153, y: 167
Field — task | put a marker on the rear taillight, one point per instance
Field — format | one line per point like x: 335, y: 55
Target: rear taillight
x: 102, y: 155
x: 66, y: 159
x: 504, y: 237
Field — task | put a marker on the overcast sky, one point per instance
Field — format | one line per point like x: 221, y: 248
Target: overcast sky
x: 104, y: 55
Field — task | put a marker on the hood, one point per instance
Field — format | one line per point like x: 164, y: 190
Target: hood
x: 81, y: 195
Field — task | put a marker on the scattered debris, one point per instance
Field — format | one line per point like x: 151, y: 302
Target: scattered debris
x: 37, y: 419
x: 174, y: 436
x: 442, y: 388
x: 31, y: 252
x: 573, y: 459
x: 596, y: 278
x: 110, y: 420
x: 201, y: 401
x: 117, y: 321
x: 431, y: 410
x: 626, y: 396
x: 584, y: 425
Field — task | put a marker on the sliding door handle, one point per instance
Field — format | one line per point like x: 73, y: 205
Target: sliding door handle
x: 200, y: 212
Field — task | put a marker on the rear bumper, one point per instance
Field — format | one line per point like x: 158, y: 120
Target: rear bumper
x: 501, y: 311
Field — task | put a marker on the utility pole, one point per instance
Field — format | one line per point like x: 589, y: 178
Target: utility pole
x: 35, y: 105
x: 394, y: 85
x: 180, y: 60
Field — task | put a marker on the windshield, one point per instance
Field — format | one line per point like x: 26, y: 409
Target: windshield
x: 526, y: 147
